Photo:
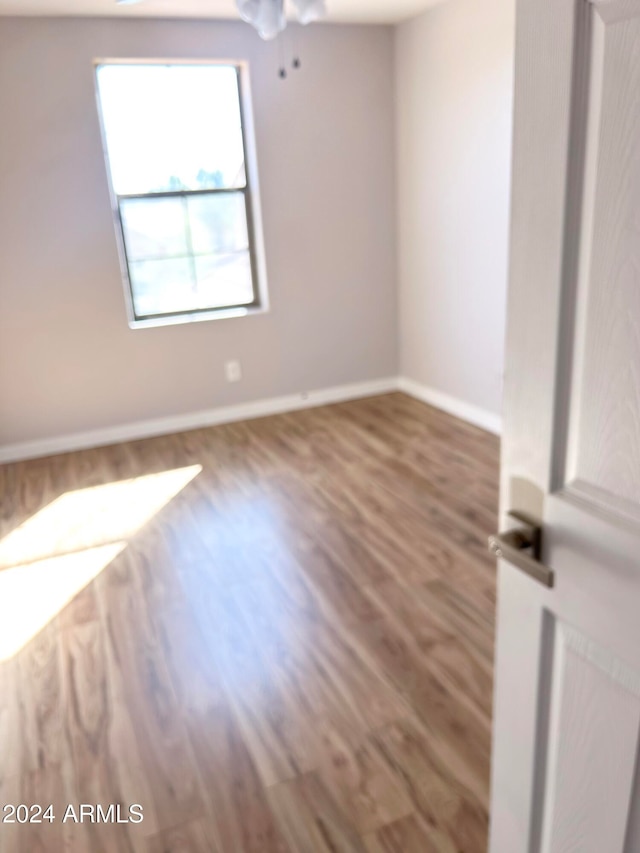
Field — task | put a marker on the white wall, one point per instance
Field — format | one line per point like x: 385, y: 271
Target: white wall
x: 454, y: 96
x: 325, y: 141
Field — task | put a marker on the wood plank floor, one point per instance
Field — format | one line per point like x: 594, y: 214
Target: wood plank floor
x: 274, y: 635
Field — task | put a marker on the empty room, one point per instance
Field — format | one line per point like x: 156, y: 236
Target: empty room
x: 319, y: 426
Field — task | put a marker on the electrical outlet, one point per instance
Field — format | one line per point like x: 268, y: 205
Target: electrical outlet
x: 233, y: 371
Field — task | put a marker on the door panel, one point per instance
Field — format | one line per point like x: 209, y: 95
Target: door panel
x: 604, y: 460
x: 565, y: 773
x: 592, y: 759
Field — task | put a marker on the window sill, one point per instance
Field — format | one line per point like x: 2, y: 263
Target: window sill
x: 197, y: 317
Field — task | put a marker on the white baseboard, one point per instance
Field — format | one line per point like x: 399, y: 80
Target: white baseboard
x: 488, y: 421
x: 194, y: 420
x: 246, y: 411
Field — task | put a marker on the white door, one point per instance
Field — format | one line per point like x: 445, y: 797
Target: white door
x: 566, y: 769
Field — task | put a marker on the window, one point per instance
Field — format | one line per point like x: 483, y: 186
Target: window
x: 181, y: 186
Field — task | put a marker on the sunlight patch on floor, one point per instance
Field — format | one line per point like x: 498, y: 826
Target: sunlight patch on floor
x: 32, y: 595
x: 51, y: 557
x: 81, y: 519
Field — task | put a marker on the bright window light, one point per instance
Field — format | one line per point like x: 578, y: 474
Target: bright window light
x: 176, y: 152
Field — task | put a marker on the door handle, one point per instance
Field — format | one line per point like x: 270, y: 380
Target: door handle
x: 521, y: 546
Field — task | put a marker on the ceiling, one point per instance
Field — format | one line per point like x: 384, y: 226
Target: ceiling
x: 370, y: 11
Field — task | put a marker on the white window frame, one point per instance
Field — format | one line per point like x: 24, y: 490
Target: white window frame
x: 250, y: 191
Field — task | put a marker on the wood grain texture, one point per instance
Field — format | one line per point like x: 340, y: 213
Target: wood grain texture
x: 604, y: 462
x: 593, y: 744
x: 291, y: 653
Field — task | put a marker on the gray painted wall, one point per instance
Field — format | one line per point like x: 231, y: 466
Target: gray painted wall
x: 454, y: 118
x: 325, y: 141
